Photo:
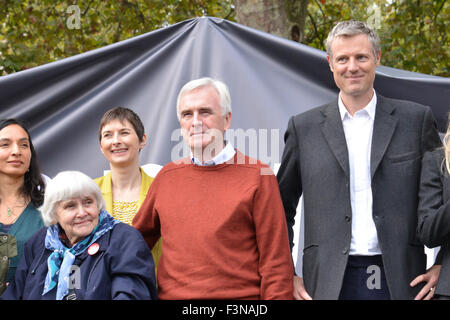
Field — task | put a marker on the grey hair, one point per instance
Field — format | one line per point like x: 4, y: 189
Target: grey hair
x: 221, y: 88
x: 352, y: 28
x: 67, y: 185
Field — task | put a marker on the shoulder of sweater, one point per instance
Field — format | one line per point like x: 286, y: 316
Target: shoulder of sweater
x: 242, y: 159
x: 239, y: 160
x: 174, y: 165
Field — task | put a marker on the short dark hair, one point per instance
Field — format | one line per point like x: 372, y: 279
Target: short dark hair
x: 122, y: 114
x: 33, y: 185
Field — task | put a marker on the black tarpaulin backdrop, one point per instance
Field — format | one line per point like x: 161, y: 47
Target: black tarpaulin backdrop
x: 270, y: 79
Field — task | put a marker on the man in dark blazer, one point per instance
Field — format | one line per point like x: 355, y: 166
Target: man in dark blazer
x: 357, y: 163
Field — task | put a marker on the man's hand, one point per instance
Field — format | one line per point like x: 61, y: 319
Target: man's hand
x: 431, y: 278
x: 299, y: 289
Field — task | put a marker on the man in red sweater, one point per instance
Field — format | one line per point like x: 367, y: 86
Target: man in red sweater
x: 219, y: 212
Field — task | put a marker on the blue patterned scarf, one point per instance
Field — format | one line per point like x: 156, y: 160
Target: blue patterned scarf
x: 61, y: 260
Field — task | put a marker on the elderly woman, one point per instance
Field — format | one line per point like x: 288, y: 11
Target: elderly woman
x: 434, y: 212
x: 84, y: 253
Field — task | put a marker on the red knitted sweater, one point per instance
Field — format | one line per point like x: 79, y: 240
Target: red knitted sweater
x: 223, y: 229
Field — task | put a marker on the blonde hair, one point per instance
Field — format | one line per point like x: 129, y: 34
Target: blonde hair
x: 447, y: 147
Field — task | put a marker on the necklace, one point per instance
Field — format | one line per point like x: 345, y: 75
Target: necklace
x: 11, y: 215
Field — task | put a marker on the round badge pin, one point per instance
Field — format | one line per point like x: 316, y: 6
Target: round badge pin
x: 93, y: 249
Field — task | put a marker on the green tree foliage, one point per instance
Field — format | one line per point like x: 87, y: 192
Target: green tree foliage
x: 414, y: 33
x: 416, y: 36
x: 35, y: 32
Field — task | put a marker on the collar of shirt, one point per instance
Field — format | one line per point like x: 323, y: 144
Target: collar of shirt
x: 226, y: 154
x: 369, y: 108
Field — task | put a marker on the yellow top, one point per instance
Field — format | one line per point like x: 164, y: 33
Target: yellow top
x: 125, y: 210
x: 106, y: 187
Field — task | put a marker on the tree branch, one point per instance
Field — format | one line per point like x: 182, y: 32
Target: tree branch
x: 229, y: 14
x: 320, y: 8
x: 87, y: 8
x: 316, y: 32
x: 439, y: 10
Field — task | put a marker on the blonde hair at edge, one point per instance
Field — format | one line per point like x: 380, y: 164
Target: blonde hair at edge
x: 447, y: 147
x: 67, y: 185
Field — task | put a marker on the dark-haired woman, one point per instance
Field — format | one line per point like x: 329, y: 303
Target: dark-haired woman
x: 124, y: 188
x: 21, y: 192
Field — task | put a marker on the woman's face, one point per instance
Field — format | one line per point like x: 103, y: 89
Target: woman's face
x: 78, y: 217
x: 120, y: 144
x: 15, y: 152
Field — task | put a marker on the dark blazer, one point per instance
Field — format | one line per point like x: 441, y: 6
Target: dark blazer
x: 434, y: 213
x: 315, y: 163
x: 122, y: 268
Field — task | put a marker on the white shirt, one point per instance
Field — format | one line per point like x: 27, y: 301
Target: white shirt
x: 358, y: 131
x: 224, y: 155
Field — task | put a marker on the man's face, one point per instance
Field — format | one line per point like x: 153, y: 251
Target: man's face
x: 353, y: 65
x: 201, y: 119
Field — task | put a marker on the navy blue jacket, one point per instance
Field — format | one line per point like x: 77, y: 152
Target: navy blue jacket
x: 122, y: 268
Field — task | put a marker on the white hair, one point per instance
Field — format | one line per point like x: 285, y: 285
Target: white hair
x: 221, y: 88
x: 67, y: 185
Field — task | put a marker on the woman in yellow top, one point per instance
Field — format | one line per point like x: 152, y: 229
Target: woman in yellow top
x: 124, y: 188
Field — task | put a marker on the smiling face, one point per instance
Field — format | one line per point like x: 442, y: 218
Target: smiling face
x: 353, y: 65
x: 77, y: 216
x: 201, y: 120
x: 15, y: 152
x: 120, y: 144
